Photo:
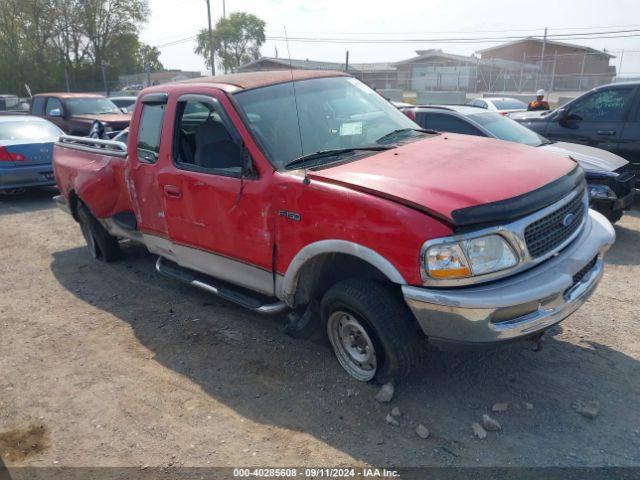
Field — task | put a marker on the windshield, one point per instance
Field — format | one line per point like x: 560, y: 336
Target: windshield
x: 35, y: 130
x: 507, y: 129
x: 93, y: 106
x: 509, y: 104
x: 127, y: 103
x: 334, y: 113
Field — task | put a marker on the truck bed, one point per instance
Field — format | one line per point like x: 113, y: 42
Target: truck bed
x: 93, y: 171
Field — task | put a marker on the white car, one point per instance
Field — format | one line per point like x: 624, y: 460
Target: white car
x: 502, y: 105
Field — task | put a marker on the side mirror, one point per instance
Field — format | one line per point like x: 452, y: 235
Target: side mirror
x: 563, y: 115
x: 56, y: 112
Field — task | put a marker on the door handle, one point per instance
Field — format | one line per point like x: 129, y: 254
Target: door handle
x: 606, y: 133
x: 172, y: 191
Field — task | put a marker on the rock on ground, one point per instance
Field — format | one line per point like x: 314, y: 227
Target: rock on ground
x: 500, y: 407
x: 391, y: 421
x: 396, y: 412
x: 588, y: 410
x: 490, y: 424
x: 422, y: 431
x: 385, y: 394
x: 478, y: 431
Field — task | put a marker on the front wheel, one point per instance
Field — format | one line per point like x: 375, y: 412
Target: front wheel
x: 370, y: 330
x: 614, y: 215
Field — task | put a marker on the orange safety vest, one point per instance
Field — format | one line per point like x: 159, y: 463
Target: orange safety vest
x: 536, y: 105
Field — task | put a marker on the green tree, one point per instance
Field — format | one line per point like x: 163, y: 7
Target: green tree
x: 236, y: 40
x: 49, y: 44
x: 148, y: 55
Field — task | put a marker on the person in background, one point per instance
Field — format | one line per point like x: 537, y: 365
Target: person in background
x: 539, y: 103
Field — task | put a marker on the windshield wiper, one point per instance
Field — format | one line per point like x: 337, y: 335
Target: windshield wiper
x: 404, y: 130
x: 335, y: 152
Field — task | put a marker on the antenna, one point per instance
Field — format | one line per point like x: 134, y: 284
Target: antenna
x: 295, y: 101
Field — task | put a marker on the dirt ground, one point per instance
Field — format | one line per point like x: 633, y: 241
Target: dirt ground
x: 114, y: 365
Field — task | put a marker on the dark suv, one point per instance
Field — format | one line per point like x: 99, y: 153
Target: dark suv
x: 606, y: 117
x: 610, y: 185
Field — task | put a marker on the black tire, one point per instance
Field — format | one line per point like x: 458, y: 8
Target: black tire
x: 388, y: 323
x: 614, y: 215
x: 101, y: 245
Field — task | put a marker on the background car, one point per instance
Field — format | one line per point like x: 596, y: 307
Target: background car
x: 125, y: 103
x: 611, y: 187
x: 75, y: 113
x: 503, y: 105
x: 606, y: 117
x: 26, y: 147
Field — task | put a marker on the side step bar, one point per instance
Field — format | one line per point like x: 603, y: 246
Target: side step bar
x: 221, y: 289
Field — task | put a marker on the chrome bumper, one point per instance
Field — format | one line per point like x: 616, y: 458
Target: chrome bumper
x: 517, y: 306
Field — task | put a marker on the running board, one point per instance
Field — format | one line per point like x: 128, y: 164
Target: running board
x: 255, y: 302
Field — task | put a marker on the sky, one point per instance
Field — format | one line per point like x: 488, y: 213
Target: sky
x: 173, y: 20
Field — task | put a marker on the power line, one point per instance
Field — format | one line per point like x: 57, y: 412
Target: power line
x: 459, y: 40
x: 538, y: 29
x: 561, y: 36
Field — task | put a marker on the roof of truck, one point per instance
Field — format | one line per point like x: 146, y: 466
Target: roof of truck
x: 264, y: 78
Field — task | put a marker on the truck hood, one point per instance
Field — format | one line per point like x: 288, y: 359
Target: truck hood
x: 590, y: 158
x: 106, y: 118
x: 449, y: 172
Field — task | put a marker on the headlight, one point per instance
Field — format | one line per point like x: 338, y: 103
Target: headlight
x: 467, y: 258
x: 601, y: 192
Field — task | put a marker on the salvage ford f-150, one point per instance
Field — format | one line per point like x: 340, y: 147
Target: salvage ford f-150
x: 308, y: 191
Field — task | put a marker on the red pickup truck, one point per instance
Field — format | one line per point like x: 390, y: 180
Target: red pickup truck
x: 308, y: 191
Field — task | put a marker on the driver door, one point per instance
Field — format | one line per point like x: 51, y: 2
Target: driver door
x: 218, y: 220
x: 596, y: 120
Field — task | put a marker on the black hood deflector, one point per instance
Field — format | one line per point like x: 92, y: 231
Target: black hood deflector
x: 514, y: 208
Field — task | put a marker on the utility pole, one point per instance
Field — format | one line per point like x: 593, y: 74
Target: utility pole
x: 553, y: 72
x: 104, y: 80
x: 211, y: 54
x: 524, y: 58
x: 544, y: 44
x: 147, y: 69
x: 346, y: 62
x: 584, y: 60
x: 224, y: 9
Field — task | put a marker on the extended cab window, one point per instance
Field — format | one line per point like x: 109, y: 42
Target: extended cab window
x: 448, y: 123
x: 150, y: 131
x: 606, y: 105
x: 202, y: 140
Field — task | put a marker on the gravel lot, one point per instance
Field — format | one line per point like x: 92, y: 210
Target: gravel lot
x: 113, y: 365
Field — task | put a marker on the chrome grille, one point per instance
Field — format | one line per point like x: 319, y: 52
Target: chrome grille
x: 543, y: 235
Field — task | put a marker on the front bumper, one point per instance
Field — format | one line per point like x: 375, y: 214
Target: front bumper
x: 518, y: 306
x: 26, y: 176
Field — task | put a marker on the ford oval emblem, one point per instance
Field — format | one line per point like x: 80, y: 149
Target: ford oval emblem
x: 568, y: 219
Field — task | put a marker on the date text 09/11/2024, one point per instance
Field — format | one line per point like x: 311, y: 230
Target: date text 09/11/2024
x: 315, y: 472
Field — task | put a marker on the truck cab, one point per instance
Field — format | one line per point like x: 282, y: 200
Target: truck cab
x: 307, y: 192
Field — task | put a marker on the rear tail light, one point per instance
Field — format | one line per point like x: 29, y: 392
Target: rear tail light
x: 7, y: 156
x: 411, y: 114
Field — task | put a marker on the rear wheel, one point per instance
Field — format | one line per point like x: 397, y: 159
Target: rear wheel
x: 101, y: 245
x: 370, y: 330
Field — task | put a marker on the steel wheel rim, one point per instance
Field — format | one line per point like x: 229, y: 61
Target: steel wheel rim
x: 352, y: 345
x: 88, y: 236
